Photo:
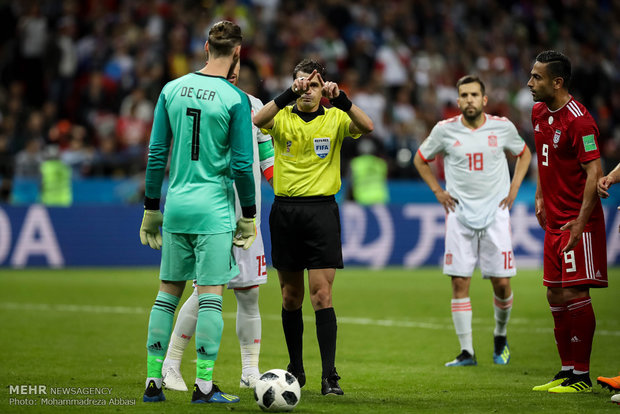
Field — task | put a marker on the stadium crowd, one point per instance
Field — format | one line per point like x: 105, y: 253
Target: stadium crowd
x: 83, y: 76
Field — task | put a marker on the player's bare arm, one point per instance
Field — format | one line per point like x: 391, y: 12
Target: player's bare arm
x: 521, y: 166
x: 594, y: 172
x: 610, y: 179
x: 360, y: 122
x: 445, y: 198
x: 264, y: 117
x: 541, y: 216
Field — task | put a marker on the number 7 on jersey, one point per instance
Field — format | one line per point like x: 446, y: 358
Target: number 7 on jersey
x: 195, y: 113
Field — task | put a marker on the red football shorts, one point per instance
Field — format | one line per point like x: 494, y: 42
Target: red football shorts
x: 585, y: 265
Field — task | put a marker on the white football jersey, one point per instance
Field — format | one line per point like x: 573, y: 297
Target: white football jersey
x: 257, y: 137
x: 475, y: 164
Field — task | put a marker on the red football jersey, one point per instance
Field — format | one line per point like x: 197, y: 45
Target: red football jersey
x: 564, y: 139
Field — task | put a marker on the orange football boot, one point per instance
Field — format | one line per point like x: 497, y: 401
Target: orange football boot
x: 612, y: 383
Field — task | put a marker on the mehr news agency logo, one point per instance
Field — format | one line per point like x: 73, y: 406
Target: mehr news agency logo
x: 64, y: 396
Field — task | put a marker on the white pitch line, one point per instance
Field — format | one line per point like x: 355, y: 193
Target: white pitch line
x: 128, y: 310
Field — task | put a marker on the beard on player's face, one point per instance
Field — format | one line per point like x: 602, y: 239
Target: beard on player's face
x: 543, y: 93
x: 471, y: 113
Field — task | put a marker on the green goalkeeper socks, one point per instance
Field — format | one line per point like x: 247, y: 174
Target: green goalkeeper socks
x: 209, y: 329
x: 160, y: 327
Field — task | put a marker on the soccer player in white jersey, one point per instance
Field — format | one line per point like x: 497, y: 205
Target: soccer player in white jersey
x: 252, y: 273
x: 477, y: 198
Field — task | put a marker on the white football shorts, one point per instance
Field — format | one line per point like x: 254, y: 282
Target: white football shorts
x: 491, y: 247
x: 252, y: 264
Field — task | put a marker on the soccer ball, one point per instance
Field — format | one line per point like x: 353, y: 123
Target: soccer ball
x: 277, y: 390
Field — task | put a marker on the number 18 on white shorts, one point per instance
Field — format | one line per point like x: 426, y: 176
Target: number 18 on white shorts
x: 491, y: 247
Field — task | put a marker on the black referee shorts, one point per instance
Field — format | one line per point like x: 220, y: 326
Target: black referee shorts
x: 305, y: 233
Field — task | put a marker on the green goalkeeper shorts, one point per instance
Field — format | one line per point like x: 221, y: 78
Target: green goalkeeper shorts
x: 206, y: 258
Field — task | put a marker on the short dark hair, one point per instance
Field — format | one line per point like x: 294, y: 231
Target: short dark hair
x: 307, y: 66
x: 558, y: 65
x: 470, y: 79
x: 224, y: 36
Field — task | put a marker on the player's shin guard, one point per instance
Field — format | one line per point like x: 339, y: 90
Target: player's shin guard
x: 326, y: 333
x: 184, y: 328
x: 502, y: 309
x: 562, y: 333
x: 209, y: 329
x: 248, y: 329
x: 582, y: 326
x: 461, y: 316
x: 160, y: 326
x: 293, y: 325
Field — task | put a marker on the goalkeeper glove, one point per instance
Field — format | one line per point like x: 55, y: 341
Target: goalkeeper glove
x: 149, y: 230
x: 245, y: 233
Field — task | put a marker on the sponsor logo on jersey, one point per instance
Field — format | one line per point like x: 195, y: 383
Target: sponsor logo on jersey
x: 457, y: 143
x: 321, y: 147
x: 537, y: 129
x: 589, y: 144
x: 556, y: 138
x: 448, y: 258
x: 550, y: 120
x: 492, y: 140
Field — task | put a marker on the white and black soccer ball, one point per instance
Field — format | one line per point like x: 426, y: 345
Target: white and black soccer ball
x: 277, y: 390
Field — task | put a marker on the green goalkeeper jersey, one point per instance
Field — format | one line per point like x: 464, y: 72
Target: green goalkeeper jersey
x: 207, y: 122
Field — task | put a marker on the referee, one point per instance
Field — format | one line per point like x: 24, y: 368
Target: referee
x: 304, y: 219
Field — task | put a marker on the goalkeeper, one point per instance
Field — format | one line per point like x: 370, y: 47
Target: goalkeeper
x: 252, y: 273
x: 207, y: 122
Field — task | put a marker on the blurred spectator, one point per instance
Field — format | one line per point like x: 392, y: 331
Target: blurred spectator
x: 64, y: 65
x: 97, y: 98
x: 60, y: 134
x: 6, y: 169
x: 35, y: 127
x: 78, y: 156
x: 136, y: 103
x: 371, y: 97
x: 177, y: 59
x: 369, y: 174
x: 28, y: 160
x: 108, y: 161
x: 331, y: 49
x: 133, y: 134
x: 393, y: 58
x: 56, y: 189
x: 33, y: 41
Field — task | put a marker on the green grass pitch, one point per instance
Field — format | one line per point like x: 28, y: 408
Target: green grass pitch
x: 87, y: 328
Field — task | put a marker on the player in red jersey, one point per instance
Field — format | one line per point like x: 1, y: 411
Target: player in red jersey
x: 568, y: 208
